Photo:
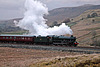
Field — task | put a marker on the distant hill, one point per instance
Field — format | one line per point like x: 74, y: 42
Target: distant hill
x: 61, y: 14
x: 9, y: 26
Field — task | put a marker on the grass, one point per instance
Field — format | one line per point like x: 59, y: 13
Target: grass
x: 71, y: 24
x: 97, y: 19
x: 76, y: 61
x: 98, y: 22
x: 89, y: 29
x: 97, y: 35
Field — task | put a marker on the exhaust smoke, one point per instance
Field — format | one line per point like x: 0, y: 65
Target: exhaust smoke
x: 34, y: 22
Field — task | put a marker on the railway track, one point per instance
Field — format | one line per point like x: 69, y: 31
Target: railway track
x: 86, y: 50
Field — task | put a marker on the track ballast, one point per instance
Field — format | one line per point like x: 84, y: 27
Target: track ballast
x: 86, y: 50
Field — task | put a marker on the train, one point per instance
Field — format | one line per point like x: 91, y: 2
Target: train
x: 40, y: 40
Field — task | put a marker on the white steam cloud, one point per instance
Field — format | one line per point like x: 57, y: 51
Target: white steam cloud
x: 34, y: 22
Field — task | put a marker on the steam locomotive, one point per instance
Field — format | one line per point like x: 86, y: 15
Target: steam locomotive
x: 43, y: 40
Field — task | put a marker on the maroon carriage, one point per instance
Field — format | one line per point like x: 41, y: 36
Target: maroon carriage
x: 17, y: 38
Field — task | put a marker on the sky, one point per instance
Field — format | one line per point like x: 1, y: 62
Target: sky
x: 10, y: 9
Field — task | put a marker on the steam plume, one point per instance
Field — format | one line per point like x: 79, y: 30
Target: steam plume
x: 34, y: 22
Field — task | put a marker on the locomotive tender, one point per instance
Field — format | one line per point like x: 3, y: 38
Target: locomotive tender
x: 43, y: 40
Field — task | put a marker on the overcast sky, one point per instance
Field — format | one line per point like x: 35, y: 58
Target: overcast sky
x: 14, y: 8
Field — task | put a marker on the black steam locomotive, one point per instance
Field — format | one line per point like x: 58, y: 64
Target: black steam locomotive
x: 43, y: 40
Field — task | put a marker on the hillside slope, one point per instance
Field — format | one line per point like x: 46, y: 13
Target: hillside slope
x: 85, y: 27
x: 61, y: 14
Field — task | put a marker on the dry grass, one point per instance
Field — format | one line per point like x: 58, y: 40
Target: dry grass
x: 84, y: 14
x: 73, y: 61
x: 15, y: 57
x: 82, y: 29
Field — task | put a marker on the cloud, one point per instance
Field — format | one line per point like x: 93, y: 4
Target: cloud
x: 11, y: 9
x: 50, y: 3
x: 70, y: 0
x: 16, y: 7
x: 89, y: 0
x: 11, y: 3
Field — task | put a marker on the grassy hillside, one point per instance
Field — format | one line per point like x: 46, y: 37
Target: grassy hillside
x: 84, y: 27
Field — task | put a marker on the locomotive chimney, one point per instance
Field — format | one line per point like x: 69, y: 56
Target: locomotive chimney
x: 71, y: 35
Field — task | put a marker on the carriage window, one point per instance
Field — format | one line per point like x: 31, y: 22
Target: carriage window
x: 28, y: 38
x: 25, y: 38
x: 10, y: 37
x: 3, y: 37
x: 14, y: 37
x: 6, y: 37
x: 22, y: 37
